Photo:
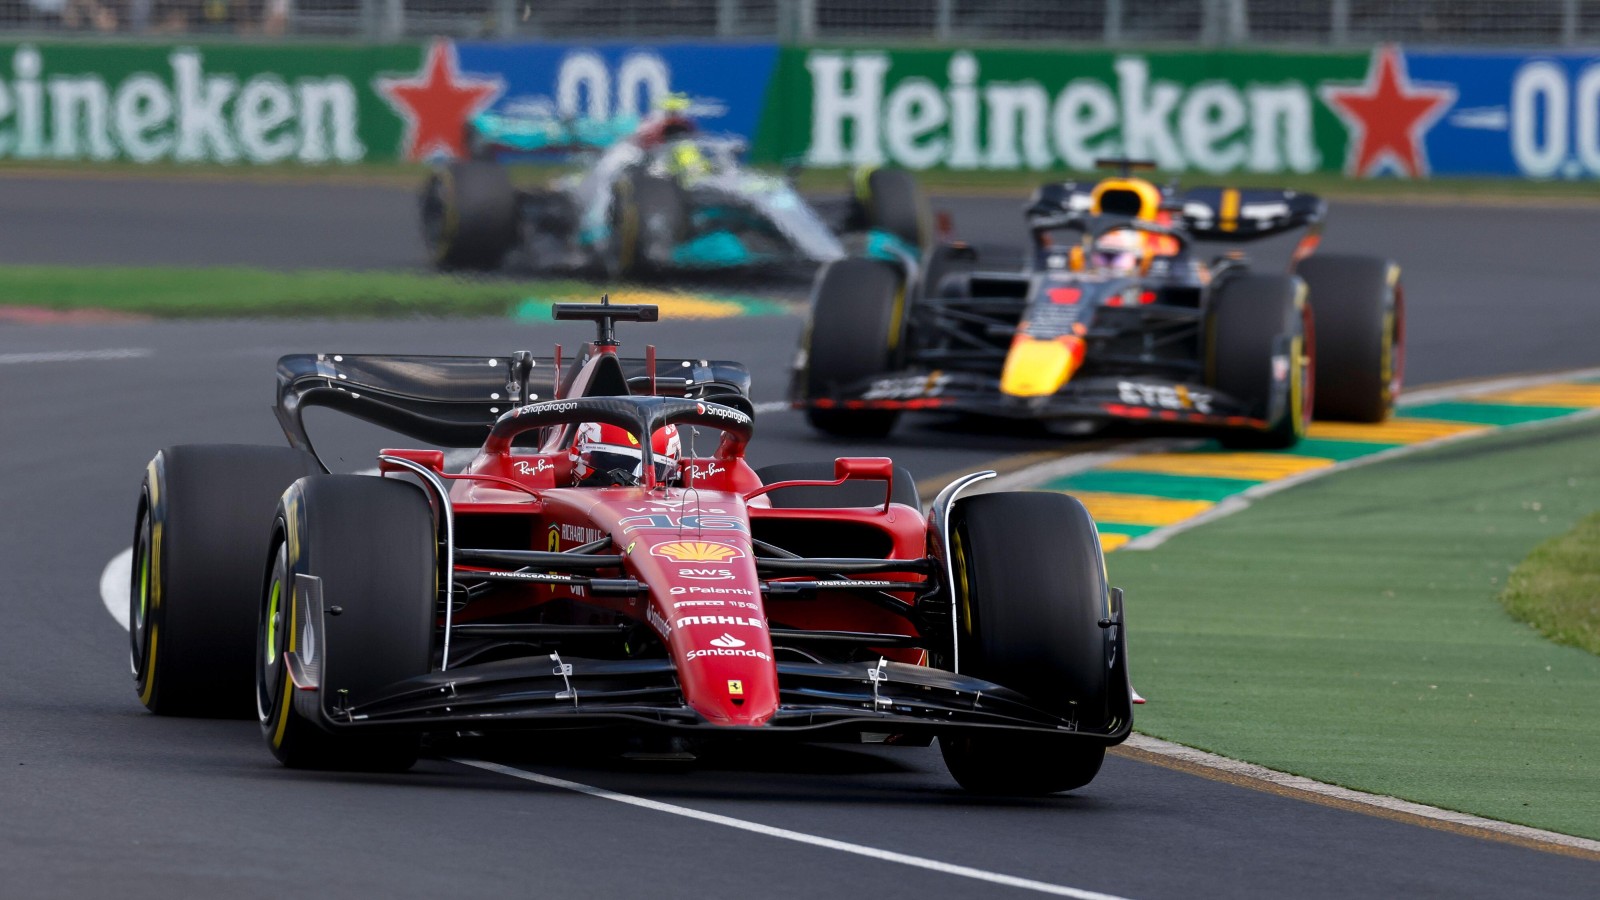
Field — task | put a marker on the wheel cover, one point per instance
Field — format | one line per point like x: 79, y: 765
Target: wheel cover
x: 271, y: 673
x: 1393, y: 354
x: 139, y: 602
x: 1302, y: 371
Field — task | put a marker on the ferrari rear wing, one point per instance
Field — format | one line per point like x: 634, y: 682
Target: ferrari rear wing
x: 454, y: 401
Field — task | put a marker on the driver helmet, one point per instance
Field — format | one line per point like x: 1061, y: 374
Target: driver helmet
x: 686, y: 161
x: 604, y: 454
x: 1120, y: 252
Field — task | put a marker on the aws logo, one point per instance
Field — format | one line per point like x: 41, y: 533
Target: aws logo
x: 696, y: 551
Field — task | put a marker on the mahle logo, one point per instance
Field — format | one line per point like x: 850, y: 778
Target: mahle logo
x: 183, y: 113
x: 1213, y: 125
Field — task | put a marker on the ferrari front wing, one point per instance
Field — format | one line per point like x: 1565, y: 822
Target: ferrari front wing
x: 816, y: 700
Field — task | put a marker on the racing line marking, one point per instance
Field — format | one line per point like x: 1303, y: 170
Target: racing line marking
x: 800, y: 837
x: 1242, y: 774
x: 73, y: 355
x: 115, y: 582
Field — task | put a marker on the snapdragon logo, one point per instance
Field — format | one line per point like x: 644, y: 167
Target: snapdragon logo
x: 182, y: 113
x: 970, y: 123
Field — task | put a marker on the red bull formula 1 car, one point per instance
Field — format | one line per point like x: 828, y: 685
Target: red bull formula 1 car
x: 541, y: 589
x: 1119, y: 321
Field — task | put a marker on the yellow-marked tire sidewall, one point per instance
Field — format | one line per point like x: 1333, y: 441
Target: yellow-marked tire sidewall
x: 144, y: 629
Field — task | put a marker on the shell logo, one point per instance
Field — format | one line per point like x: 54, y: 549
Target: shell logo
x: 696, y: 551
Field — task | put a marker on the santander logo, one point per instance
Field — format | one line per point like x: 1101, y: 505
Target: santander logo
x: 727, y: 640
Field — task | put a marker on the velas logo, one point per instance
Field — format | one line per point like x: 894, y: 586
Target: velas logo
x: 696, y: 551
x: 436, y: 102
x: 1388, y: 116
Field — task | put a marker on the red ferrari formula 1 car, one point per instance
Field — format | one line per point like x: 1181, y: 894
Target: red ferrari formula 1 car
x: 608, y: 560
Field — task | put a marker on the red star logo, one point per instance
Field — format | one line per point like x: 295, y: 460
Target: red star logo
x: 1387, y: 116
x: 436, y: 103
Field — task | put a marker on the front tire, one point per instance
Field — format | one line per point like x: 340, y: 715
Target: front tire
x: 1030, y: 594
x: 1256, y: 324
x: 1360, y: 320
x: 370, y: 543
x: 205, y: 516
x: 858, y: 310
x: 469, y: 215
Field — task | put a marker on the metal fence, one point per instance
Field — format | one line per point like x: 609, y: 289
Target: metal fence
x: 1116, y: 22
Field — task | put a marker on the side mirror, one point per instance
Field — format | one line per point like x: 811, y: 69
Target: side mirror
x: 864, y: 468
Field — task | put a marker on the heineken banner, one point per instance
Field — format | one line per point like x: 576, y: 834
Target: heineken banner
x: 1034, y: 109
x: 216, y: 104
x: 322, y: 104
x: 1386, y: 111
x: 1379, y: 112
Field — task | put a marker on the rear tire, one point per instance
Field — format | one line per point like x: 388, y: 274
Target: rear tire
x: 851, y: 493
x: 1030, y: 593
x: 857, y: 331
x: 1252, y: 319
x: 894, y: 203
x: 204, y: 519
x: 1360, y: 321
x: 371, y: 542
x: 469, y: 215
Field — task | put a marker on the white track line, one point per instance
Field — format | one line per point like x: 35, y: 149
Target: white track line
x: 73, y: 355
x: 1379, y: 801
x: 772, y: 406
x: 115, y: 581
x: 798, y: 837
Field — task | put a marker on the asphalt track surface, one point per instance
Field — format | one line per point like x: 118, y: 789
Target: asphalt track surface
x: 98, y: 798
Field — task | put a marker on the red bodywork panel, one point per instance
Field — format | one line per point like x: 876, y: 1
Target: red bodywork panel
x: 691, y: 546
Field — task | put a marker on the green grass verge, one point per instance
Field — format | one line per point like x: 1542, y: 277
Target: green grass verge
x: 172, y: 292
x: 180, y: 292
x: 1349, y: 630
x: 826, y: 181
x: 1557, y: 588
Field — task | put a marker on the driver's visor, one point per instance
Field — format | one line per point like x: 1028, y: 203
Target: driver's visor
x: 610, y: 464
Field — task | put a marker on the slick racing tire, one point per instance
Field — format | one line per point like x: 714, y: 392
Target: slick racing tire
x: 857, y: 331
x: 204, y: 520
x: 894, y: 203
x: 1359, y: 305
x: 1252, y: 319
x: 469, y: 215
x: 648, y: 220
x: 851, y: 493
x: 1030, y: 592
x: 369, y: 543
